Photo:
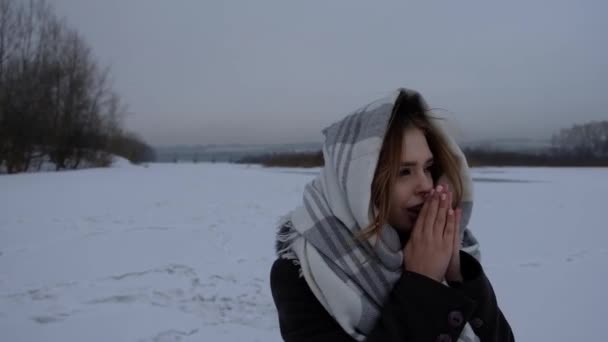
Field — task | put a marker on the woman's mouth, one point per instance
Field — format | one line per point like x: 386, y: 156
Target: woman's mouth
x: 414, y: 211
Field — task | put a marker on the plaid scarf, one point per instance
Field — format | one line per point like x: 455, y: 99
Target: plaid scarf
x: 350, y: 277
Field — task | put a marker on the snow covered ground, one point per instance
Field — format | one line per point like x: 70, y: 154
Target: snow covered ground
x: 181, y: 252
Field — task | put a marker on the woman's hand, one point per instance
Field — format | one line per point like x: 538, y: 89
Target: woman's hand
x: 453, y: 272
x: 429, y: 250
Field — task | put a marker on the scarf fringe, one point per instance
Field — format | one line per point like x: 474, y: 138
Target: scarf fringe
x: 286, y: 235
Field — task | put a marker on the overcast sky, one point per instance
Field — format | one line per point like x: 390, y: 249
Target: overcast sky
x: 260, y: 71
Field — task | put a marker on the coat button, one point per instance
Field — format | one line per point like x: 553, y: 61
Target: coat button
x: 444, y: 338
x: 455, y: 319
x: 476, y: 323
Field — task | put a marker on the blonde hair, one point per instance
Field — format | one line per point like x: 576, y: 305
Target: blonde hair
x: 409, y: 111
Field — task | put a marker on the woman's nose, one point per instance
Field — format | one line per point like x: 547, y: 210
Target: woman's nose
x: 425, y: 184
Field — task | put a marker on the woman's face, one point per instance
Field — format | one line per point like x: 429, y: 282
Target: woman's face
x: 413, y: 182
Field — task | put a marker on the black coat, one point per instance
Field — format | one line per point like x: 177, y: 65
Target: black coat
x: 417, y: 309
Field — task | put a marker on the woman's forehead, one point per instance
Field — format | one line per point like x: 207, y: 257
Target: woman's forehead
x: 415, y: 148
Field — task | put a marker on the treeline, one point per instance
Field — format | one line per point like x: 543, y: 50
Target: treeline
x: 298, y: 159
x: 57, y: 105
x: 578, y: 146
x: 584, y: 140
x: 551, y: 158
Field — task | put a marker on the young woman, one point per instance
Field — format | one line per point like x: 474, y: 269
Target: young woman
x: 379, y: 250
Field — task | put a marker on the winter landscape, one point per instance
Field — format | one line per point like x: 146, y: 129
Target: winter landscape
x: 181, y: 252
x: 136, y: 201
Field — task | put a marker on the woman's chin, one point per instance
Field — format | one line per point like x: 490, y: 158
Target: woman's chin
x: 403, y: 227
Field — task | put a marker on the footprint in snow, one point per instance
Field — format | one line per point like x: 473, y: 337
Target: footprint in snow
x: 170, y: 336
x: 530, y: 264
x: 157, y: 228
x: 118, y: 299
x: 53, y: 318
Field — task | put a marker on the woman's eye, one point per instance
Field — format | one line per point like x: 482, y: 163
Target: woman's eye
x: 406, y: 172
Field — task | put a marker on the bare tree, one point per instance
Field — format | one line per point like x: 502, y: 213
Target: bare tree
x: 7, y: 46
x: 55, y: 100
x: 587, y: 139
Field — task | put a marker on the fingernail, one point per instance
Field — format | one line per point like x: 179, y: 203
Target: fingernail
x: 450, y: 212
x: 439, y: 188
